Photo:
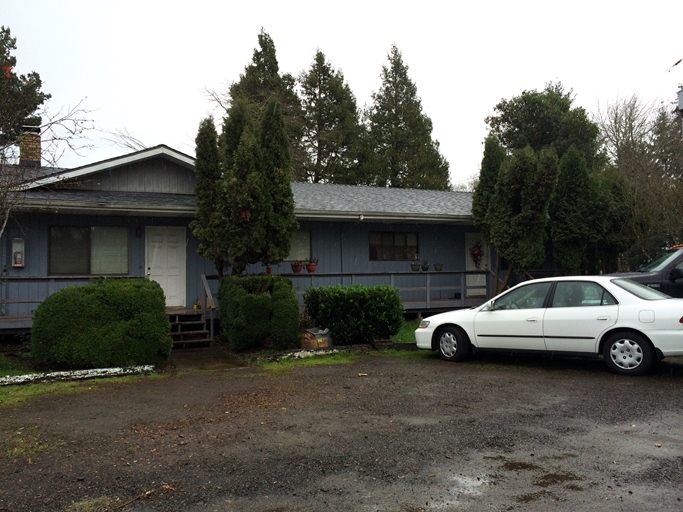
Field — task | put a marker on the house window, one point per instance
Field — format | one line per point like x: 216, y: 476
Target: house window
x: 88, y: 250
x: 300, y: 248
x: 390, y: 246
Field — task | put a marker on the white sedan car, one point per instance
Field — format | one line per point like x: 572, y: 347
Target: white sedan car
x: 630, y: 325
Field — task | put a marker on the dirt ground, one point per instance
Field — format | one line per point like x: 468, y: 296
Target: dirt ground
x: 383, y: 433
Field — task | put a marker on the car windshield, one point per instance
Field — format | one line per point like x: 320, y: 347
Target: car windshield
x: 660, y: 261
x: 640, y: 290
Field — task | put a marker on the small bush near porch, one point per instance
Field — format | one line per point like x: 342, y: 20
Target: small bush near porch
x: 356, y: 314
x: 257, y: 311
x: 107, y: 323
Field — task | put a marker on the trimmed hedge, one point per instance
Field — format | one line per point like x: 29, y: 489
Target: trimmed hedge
x: 256, y: 309
x: 355, y: 314
x: 106, y: 323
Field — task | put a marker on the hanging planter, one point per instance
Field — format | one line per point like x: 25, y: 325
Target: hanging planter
x: 297, y: 266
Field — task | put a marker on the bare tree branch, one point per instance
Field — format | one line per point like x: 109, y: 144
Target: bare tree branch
x: 59, y: 132
x: 122, y: 138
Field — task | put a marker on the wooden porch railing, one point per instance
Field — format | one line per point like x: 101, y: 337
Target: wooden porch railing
x: 208, y: 304
x: 419, y: 291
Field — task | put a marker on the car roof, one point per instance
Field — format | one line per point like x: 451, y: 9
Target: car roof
x: 596, y: 278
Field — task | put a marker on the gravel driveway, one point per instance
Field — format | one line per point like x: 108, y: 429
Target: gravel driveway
x: 383, y: 433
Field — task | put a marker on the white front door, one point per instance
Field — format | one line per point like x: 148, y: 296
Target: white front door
x: 165, y: 261
x: 476, y: 284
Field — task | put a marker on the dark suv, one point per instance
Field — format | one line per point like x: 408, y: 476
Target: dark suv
x: 664, y: 273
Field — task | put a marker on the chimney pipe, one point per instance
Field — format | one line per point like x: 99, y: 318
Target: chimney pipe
x: 30, y: 147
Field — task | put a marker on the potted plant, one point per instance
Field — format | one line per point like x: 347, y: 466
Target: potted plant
x: 311, y: 265
x: 415, y: 266
x: 438, y: 267
x: 297, y: 266
x: 425, y: 265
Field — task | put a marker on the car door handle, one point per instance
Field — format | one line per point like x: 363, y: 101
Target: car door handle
x: 604, y: 319
x: 532, y: 320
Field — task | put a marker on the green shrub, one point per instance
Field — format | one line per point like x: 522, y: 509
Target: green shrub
x: 104, y: 324
x: 255, y: 309
x: 284, y: 321
x: 355, y: 314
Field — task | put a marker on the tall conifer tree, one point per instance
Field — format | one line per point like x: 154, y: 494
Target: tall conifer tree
x: 208, y: 226
x: 280, y: 220
x: 404, y: 155
x: 331, y: 126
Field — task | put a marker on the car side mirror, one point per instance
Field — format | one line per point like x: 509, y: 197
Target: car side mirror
x: 676, y: 273
x: 488, y: 306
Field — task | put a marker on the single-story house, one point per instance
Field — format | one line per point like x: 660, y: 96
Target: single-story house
x: 129, y: 216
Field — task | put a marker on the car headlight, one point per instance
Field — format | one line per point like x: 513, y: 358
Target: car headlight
x: 423, y: 324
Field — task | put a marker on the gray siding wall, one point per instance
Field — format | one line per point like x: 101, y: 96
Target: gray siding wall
x: 339, y: 247
x: 155, y: 175
x: 34, y: 229
x: 344, y: 247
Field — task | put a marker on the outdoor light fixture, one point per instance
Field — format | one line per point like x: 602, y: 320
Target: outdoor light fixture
x: 18, y: 252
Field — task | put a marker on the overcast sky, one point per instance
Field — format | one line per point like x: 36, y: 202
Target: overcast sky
x: 143, y: 66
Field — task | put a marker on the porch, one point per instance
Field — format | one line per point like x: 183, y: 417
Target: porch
x: 421, y: 292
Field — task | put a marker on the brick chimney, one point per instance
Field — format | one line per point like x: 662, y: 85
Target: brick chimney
x: 30, y: 147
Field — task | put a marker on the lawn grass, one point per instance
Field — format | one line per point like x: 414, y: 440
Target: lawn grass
x: 12, y: 395
x: 407, y: 332
x: 14, y: 365
x: 286, y: 364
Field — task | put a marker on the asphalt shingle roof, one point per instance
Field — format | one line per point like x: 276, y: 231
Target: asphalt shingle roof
x: 325, y: 199
x: 312, y: 201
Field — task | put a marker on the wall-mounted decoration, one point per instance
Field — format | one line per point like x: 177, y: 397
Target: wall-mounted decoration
x: 18, y: 252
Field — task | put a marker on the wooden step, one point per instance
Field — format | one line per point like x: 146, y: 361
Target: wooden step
x: 188, y: 328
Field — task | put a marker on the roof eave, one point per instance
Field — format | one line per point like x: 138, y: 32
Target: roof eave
x: 112, y: 163
x: 381, y: 217
x: 72, y: 207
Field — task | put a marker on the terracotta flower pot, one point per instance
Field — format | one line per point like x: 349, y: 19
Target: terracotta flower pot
x: 297, y: 266
x: 310, y: 267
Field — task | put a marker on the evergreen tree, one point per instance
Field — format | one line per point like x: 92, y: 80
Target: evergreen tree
x: 261, y: 80
x: 518, y: 211
x: 208, y: 226
x: 20, y: 95
x: 573, y: 221
x: 245, y: 207
x: 234, y: 124
x: 331, y: 125
x: 400, y: 135
x: 494, y: 156
x: 546, y: 119
x: 280, y: 220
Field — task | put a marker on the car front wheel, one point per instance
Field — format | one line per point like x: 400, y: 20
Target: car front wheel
x: 628, y: 353
x: 453, y: 344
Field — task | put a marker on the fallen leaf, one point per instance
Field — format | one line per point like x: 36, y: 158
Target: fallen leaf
x: 362, y: 374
